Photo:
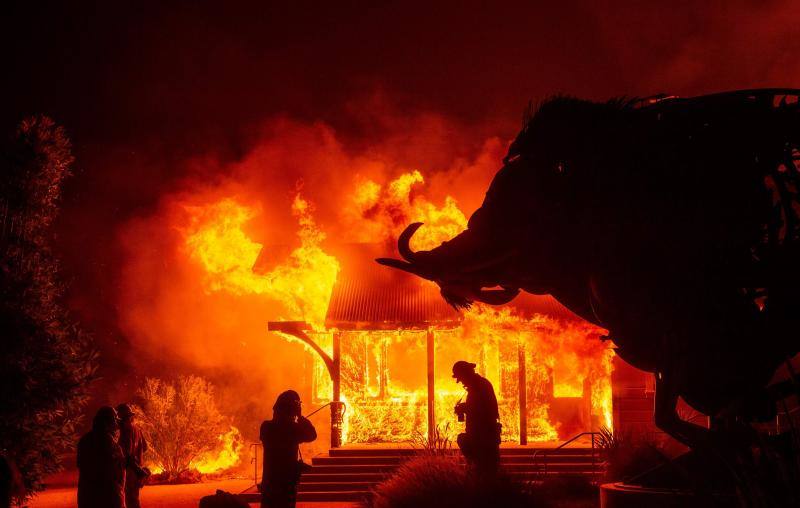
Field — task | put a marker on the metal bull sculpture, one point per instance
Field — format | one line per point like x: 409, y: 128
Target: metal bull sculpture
x: 673, y: 223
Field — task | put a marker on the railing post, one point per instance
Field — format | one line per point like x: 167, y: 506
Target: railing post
x: 523, y: 395
x: 337, y: 413
x: 431, y: 388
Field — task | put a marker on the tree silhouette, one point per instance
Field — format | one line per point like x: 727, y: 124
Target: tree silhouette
x: 46, y: 361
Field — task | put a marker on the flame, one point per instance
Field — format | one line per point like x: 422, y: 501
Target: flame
x: 216, y: 239
x: 224, y: 456
x: 381, y: 212
x: 386, y: 400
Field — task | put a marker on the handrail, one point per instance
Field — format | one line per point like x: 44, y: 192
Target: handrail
x: 565, y: 443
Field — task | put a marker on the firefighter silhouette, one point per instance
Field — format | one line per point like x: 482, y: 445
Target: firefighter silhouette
x: 480, y: 443
x: 281, y: 438
x: 101, y: 464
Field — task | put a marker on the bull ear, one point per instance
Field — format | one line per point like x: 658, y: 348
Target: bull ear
x: 401, y: 265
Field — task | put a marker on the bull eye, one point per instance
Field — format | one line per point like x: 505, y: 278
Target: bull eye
x: 561, y: 167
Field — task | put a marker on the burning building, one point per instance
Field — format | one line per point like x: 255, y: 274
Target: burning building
x: 381, y: 343
x: 389, y: 340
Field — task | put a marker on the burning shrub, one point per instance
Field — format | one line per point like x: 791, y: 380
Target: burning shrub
x: 440, y: 481
x: 184, y: 428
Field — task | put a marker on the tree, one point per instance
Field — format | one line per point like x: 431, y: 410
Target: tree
x: 181, y: 421
x: 46, y: 361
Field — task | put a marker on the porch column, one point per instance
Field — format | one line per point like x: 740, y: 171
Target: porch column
x: 523, y: 395
x: 337, y: 409
x: 431, y: 390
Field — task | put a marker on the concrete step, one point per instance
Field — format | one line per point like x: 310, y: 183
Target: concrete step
x: 331, y: 497
x: 406, y: 452
x: 335, y: 486
x: 340, y: 477
x: 388, y: 468
x: 313, y: 497
x: 325, y: 460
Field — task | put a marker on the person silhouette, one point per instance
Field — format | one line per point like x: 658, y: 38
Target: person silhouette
x: 133, y: 445
x: 281, y: 438
x: 480, y: 442
x: 101, y: 464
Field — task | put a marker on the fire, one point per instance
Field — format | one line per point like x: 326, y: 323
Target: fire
x: 224, y: 456
x: 381, y: 212
x: 216, y: 239
x: 567, y: 369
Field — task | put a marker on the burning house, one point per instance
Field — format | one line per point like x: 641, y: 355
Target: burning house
x: 389, y: 341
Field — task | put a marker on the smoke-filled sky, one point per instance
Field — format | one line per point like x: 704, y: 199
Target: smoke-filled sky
x: 167, y: 101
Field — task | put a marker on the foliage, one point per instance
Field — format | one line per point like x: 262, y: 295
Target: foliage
x: 627, y: 454
x: 440, y: 481
x: 437, y: 444
x: 181, y: 421
x: 46, y: 361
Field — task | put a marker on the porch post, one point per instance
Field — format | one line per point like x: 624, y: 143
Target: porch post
x: 337, y: 411
x: 523, y: 395
x: 431, y: 389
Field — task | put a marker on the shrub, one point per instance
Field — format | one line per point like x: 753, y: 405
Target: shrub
x: 441, y: 482
x: 181, y: 422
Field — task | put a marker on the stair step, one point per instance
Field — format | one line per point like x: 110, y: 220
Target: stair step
x: 329, y: 497
x: 322, y: 460
x: 313, y: 497
x: 406, y: 452
x: 335, y: 486
x: 342, y: 477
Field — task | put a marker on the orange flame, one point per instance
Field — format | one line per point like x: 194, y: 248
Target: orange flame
x: 382, y: 212
x: 303, y: 284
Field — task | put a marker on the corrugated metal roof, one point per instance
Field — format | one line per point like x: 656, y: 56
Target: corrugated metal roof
x: 370, y: 296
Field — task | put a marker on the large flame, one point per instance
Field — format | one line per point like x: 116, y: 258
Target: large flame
x: 383, y: 373
x: 303, y: 284
x: 383, y: 211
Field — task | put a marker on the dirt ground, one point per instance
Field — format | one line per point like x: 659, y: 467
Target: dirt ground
x: 164, y: 496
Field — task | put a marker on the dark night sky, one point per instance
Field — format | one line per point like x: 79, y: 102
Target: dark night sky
x: 140, y: 86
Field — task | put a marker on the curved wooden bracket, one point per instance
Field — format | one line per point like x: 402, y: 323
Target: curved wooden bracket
x: 298, y: 329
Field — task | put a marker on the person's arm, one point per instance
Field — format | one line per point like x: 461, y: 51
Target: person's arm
x: 305, y: 430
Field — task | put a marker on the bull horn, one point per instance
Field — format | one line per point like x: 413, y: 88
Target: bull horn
x: 405, y: 237
x: 401, y: 265
x: 496, y: 296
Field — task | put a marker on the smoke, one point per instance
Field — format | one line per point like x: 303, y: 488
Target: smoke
x: 176, y: 321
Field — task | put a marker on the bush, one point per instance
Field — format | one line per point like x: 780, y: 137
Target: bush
x: 181, y: 422
x: 628, y: 455
x: 46, y: 361
x: 441, y: 482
